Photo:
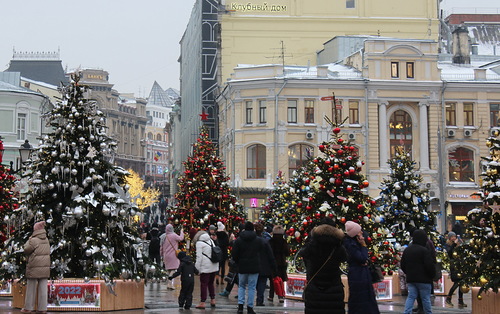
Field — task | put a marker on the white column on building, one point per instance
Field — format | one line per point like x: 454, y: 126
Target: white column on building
x: 424, y: 137
x: 382, y: 130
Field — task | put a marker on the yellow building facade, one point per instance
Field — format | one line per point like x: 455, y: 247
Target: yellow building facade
x: 393, y: 92
x: 292, y: 31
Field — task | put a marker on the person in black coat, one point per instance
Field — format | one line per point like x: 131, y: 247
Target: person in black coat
x: 246, y: 250
x: 154, y: 243
x: 322, y: 256
x: 419, y: 267
x: 281, y: 251
x: 267, y: 265
x: 361, y: 294
x: 450, y: 246
x: 187, y: 270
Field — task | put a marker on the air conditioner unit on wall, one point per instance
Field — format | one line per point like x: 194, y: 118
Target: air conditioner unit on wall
x: 309, y: 135
x: 451, y: 133
x: 351, y: 136
x: 468, y: 132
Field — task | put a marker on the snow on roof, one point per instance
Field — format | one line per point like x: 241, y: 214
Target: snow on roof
x: 465, y: 72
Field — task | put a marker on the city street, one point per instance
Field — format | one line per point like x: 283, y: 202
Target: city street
x: 160, y: 300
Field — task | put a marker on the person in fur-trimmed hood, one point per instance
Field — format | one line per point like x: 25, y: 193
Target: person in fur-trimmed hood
x: 37, y: 251
x: 322, y: 256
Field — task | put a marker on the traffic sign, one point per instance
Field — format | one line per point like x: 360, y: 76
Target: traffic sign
x: 327, y: 98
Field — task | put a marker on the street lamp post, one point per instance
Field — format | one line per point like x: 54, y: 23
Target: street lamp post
x: 24, y: 154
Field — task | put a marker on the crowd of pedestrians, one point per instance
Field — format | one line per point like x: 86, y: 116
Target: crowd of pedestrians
x: 254, y: 257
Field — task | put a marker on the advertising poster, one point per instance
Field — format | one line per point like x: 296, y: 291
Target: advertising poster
x: 5, y: 288
x: 439, y: 286
x: 383, y: 289
x: 85, y: 295
x: 294, y: 287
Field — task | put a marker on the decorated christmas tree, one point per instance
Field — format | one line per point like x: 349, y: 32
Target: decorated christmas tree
x: 279, y: 202
x: 82, y: 196
x: 405, y: 203
x: 8, y: 202
x: 204, y: 196
x: 478, y: 261
x: 332, y: 186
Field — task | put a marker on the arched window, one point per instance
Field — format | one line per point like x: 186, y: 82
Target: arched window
x: 298, y: 156
x: 158, y: 137
x: 256, y: 162
x: 461, y: 165
x: 150, y: 136
x: 400, y: 131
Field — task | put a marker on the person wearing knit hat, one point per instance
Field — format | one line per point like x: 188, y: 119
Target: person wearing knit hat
x: 361, y: 294
x: 278, y: 229
x: 352, y: 229
x: 37, y: 251
x: 452, y: 242
x: 451, y: 234
x: 220, y: 226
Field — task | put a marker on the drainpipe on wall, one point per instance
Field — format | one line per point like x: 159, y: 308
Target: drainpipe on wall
x: 285, y: 81
x: 367, y: 160
x: 441, y: 159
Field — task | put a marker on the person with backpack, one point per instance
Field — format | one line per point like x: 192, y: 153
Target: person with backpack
x: 207, y: 268
x: 154, y: 244
x: 187, y: 270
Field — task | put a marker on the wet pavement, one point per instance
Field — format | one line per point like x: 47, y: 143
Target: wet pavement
x: 160, y: 300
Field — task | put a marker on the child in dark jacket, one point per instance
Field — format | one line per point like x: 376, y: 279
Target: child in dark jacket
x: 187, y: 270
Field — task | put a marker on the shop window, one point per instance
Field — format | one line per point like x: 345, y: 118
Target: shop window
x: 494, y: 115
x: 410, y: 66
x: 353, y: 112
x: 298, y: 155
x: 262, y: 111
x: 451, y: 114
x: 400, y: 131
x: 468, y: 114
x: 395, y: 69
x: 309, y: 111
x: 248, y: 112
x: 256, y: 162
x: 291, y: 111
x: 461, y: 165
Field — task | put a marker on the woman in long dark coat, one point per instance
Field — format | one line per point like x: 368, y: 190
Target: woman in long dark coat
x: 361, y: 293
x: 280, y: 251
x: 324, y: 292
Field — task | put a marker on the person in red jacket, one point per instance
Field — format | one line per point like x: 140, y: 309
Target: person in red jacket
x: 37, y: 251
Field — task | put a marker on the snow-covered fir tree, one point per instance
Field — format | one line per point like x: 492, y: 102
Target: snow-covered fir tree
x: 8, y: 202
x: 204, y: 196
x: 82, y: 196
x: 405, y: 202
x: 478, y: 260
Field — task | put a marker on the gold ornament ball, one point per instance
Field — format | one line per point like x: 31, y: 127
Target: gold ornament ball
x: 479, y: 297
x: 494, y: 171
x: 464, y: 288
x: 455, y: 254
x: 489, y: 143
x: 483, y: 280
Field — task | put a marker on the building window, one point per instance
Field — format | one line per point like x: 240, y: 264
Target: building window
x: 248, y: 112
x: 309, y: 111
x: 21, y: 126
x: 298, y: 155
x: 410, y: 70
x: 158, y: 137
x: 150, y: 136
x: 494, y: 115
x: 400, y: 131
x: 468, y: 114
x: 461, y: 165
x: 350, y: 4
x: 451, y: 114
x: 337, y: 111
x: 395, y: 69
x: 353, y: 112
x: 256, y: 162
x: 262, y: 111
x: 291, y: 111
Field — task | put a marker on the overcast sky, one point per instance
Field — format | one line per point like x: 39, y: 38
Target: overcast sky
x: 136, y: 41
